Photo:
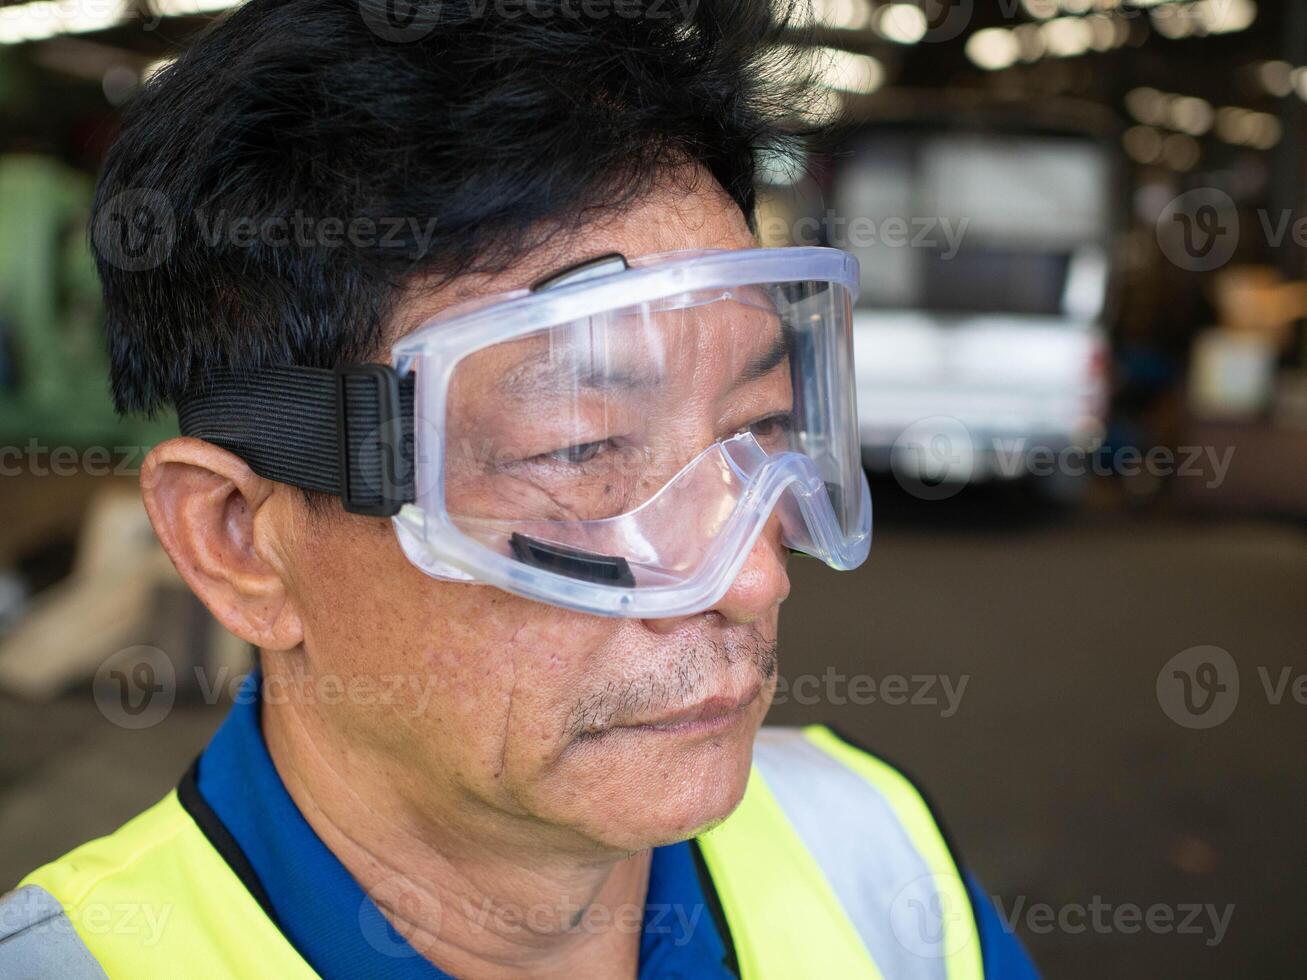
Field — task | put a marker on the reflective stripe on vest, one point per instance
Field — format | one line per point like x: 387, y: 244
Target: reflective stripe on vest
x: 37, y: 941
x: 832, y: 866
x: 155, y: 899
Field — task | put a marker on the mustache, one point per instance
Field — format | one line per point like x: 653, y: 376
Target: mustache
x: 697, y: 662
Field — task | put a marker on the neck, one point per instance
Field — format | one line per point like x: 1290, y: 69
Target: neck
x: 476, y: 891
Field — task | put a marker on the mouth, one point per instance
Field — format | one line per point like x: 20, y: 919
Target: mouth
x: 708, y: 717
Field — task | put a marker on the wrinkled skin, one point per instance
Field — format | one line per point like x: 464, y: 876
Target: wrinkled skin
x: 448, y: 739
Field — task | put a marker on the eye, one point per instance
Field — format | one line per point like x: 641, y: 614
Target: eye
x: 580, y: 453
x: 772, y: 427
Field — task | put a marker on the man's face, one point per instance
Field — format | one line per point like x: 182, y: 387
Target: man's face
x: 626, y: 732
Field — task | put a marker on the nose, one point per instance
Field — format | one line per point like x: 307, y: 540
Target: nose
x: 761, y: 585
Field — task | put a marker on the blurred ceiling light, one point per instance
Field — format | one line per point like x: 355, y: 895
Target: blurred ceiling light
x: 1067, y: 37
x: 902, y: 23
x: 42, y: 19
x: 1180, y: 152
x: 1299, y: 77
x: 51, y: 18
x: 1225, y: 16
x: 1191, y: 115
x: 783, y: 167
x: 993, y: 48
x: 119, y: 84
x: 1143, y: 144
x: 1243, y: 127
x: 849, y: 15
x: 1172, y: 22
x: 180, y: 8
x: 1102, y: 32
x: 848, y: 72
x: 1147, y: 105
x: 1276, y: 77
x: 1040, y: 9
x: 1123, y: 25
x: 88, y: 60
x: 1267, y: 131
x: 1234, y: 125
x: 1030, y: 42
x: 1178, y: 20
x: 154, y: 67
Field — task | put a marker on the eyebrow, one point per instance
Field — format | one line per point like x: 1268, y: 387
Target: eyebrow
x: 768, y: 360
x: 536, y: 378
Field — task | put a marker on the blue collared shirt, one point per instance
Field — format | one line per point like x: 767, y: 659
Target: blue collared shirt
x: 342, y: 935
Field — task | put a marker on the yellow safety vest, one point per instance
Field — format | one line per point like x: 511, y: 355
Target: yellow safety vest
x: 831, y: 867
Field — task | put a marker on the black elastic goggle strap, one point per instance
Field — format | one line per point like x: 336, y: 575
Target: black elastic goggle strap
x: 347, y: 432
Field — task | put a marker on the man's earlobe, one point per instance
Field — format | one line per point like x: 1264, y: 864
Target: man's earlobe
x: 221, y: 524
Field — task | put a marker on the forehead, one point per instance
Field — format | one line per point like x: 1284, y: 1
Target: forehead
x: 634, y: 350
x: 686, y: 210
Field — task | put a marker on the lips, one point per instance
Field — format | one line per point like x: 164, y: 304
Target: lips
x: 710, y: 714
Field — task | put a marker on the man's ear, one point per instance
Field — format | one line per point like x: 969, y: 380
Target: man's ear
x: 217, y: 519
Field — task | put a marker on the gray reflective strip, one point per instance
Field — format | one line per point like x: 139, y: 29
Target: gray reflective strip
x: 38, y: 941
x: 853, y: 834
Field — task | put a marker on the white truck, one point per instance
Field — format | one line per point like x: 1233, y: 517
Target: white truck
x: 979, y: 339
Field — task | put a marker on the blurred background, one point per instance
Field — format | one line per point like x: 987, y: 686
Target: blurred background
x: 1081, y: 352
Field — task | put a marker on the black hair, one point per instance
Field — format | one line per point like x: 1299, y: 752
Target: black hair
x: 274, y: 191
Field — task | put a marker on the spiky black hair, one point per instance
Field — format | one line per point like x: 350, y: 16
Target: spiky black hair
x: 274, y: 191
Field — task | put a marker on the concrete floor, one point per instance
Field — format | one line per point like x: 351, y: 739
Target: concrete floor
x: 1062, y: 779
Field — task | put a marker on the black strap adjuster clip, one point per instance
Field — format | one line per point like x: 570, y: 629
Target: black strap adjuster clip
x: 381, y: 437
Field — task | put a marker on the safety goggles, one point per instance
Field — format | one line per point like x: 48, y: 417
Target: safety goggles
x: 612, y: 440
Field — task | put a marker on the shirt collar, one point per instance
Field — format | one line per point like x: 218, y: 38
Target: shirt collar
x: 332, y: 922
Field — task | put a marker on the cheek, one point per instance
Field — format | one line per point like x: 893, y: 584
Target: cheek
x: 505, y: 672
x: 476, y: 683
x: 550, y: 655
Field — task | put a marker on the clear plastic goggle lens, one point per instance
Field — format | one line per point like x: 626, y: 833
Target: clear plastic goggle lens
x: 624, y: 459
x: 555, y: 433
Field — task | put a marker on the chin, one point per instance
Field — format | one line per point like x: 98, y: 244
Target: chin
x: 645, y: 789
